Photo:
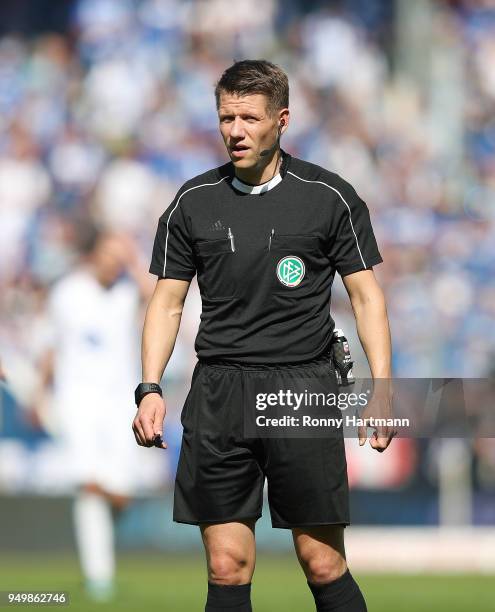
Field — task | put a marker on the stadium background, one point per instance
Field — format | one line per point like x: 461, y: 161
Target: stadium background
x: 106, y: 108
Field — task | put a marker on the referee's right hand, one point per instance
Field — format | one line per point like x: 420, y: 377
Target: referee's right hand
x: 148, y: 422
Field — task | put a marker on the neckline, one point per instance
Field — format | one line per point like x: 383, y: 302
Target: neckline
x: 256, y: 189
x: 263, y: 187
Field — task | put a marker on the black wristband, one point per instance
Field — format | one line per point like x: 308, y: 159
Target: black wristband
x: 144, y: 389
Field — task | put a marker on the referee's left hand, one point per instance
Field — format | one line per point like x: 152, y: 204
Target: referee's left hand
x: 379, y: 407
x: 148, y: 422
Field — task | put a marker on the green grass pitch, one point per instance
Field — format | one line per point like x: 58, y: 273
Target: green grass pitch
x: 167, y: 583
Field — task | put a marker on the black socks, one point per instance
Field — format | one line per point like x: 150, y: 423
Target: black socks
x: 341, y: 595
x: 228, y: 598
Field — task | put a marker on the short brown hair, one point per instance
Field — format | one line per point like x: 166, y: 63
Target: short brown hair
x: 248, y: 77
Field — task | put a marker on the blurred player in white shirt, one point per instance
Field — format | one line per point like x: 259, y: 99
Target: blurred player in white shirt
x: 92, y: 364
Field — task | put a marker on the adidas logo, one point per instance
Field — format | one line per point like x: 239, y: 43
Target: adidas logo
x: 217, y: 226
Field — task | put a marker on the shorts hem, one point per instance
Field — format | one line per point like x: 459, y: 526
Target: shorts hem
x: 217, y: 521
x: 279, y: 525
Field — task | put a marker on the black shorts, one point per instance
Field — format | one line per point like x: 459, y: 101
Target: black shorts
x: 221, y: 472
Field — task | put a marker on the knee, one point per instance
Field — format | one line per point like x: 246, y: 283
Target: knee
x: 228, y: 567
x: 321, y: 569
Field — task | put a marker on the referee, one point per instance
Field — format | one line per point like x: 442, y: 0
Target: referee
x: 265, y: 233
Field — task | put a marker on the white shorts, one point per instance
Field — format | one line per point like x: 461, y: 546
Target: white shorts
x: 99, y: 447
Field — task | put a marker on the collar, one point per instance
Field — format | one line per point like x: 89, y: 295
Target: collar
x: 264, y: 187
x: 256, y: 189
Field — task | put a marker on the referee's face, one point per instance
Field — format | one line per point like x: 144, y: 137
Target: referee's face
x: 248, y: 128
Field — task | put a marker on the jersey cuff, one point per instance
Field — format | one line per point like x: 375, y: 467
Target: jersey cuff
x: 177, y: 275
x: 358, y: 265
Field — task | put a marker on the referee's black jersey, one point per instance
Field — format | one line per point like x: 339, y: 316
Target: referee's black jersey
x: 265, y: 256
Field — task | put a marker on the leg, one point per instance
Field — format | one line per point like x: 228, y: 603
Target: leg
x: 95, y: 540
x: 230, y: 555
x: 321, y: 553
x: 118, y: 501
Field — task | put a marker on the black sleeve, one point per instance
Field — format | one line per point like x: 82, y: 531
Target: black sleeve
x: 172, y: 250
x: 353, y: 245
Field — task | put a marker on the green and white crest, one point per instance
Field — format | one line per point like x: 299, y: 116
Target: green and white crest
x: 290, y: 271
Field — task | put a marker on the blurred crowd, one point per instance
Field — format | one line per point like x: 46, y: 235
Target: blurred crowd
x: 107, y: 120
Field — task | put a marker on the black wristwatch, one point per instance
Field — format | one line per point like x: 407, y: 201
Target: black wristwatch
x: 143, y: 389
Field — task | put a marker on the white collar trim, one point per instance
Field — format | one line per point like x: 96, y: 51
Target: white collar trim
x: 256, y: 189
